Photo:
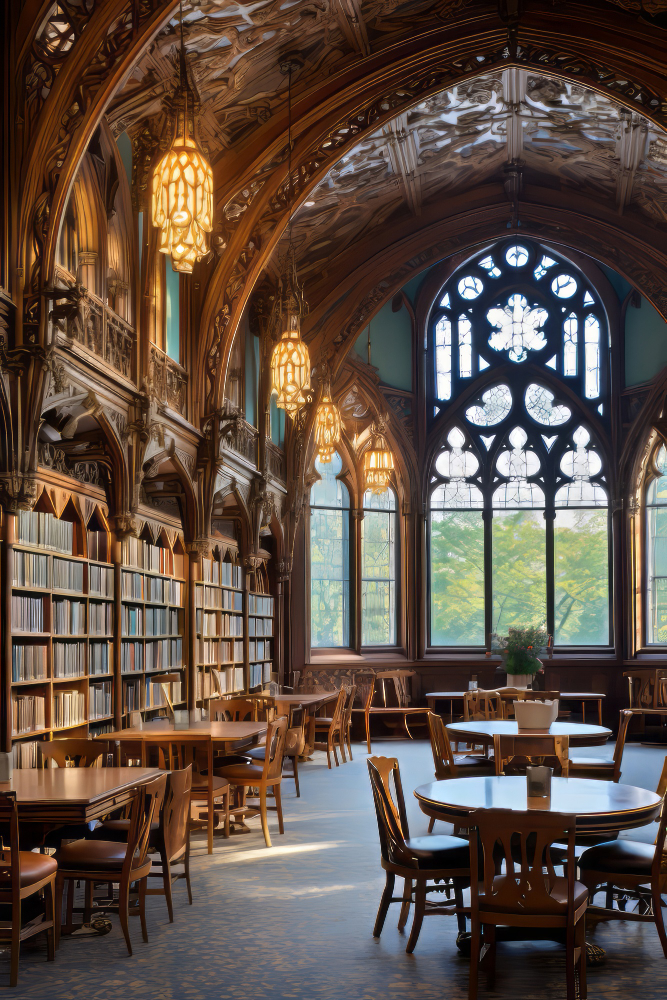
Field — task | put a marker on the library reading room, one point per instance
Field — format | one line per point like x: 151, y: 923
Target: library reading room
x: 333, y: 499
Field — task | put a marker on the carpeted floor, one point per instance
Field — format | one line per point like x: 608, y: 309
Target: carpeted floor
x: 296, y: 921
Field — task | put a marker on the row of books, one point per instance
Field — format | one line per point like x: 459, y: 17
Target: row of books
x: 27, y: 613
x: 224, y: 574
x: 136, y: 620
x: 69, y: 617
x: 98, y: 658
x: 68, y: 575
x: 69, y: 659
x: 100, y: 618
x: 214, y: 651
x: 35, y: 528
x: 163, y: 590
x: 131, y: 696
x: 259, y: 674
x: 100, y: 581
x: 260, y: 604
x: 28, y: 713
x: 24, y: 754
x: 99, y: 700
x: 260, y: 626
x: 155, y: 696
x: 31, y: 570
x: 163, y: 653
x: 203, y: 685
x: 229, y: 679
x: 69, y: 708
x: 28, y: 663
x: 132, y: 586
x: 214, y: 597
x: 131, y: 657
x: 97, y: 545
x: 259, y: 649
x: 140, y: 553
x: 212, y: 623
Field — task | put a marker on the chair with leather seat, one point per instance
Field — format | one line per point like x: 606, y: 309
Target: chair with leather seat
x: 268, y: 776
x: 632, y: 866
x: 22, y: 876
x: 295, y: 743
x: 447, y: 765
x: 169, y: 835
x: 109, y: 861
x: 332, y: 727
x: 518, y: 885
x: 417, y: 860
x: 598, y: 767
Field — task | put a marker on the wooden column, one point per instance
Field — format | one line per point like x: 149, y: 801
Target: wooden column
x: 356, y: 518
x: 190, y: 638
x: 6, y: 625
x: 116, y: 558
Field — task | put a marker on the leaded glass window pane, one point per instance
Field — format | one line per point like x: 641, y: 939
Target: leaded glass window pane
x: 592, y: 356
x: 570, y: 334
x: 539, y: 403
x: 581, y: 543
x: 519, y: 569
x: 378, y: 569
x: 495, y: 406
x: 656, y: 530
x: 457, y: 578
x: 329, y: 558
x: 518, y: 328
x: 443, y: 358
x: 465, y: 347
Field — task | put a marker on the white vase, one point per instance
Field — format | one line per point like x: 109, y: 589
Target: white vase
x: 521, y: 681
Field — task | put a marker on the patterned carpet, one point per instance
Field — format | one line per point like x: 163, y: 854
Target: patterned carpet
x: 296, y: 921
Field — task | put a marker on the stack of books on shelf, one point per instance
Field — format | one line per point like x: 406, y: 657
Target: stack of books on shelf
x: 100, y: 618
x: 131, y: 696
x: 69, y: 617
x: 69, y: 659
x: 229, y: 679
x: 31, y: 570
x: 131, y: 657
x: 155, y: 696
x: 140, y: 553
x: 44, y: 530
x: 131, y: 620
x: 28, y: 713
x: 163, y: 654
x: 98, y: 658
x: 260, y: 673
x: 68, y: 575
x: 27, y: 614
x: 69, y: 709
x: 28, y: 663
x: 100, y: 706
x: 25, y: 753
x: 100, y: 581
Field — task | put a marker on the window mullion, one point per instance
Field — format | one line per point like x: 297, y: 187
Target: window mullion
x: 550, y: 518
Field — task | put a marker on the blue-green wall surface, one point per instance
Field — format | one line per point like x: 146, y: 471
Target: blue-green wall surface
x: 391, y: 346
x: 277, y: 423
x: 645, y: 334
x: 172, y: 312
x: 125, y: 149
x: 251, y: 376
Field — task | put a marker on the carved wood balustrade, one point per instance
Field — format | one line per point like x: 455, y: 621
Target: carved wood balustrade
x: 237, y: 434
x: 79, y: 315
x: 167, y: 380
x: 276, y: 465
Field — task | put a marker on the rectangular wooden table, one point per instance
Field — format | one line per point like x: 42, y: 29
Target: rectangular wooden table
x: 55, y: 796
x: 312, y: 704
x: 230, y: 735
x: 580, y: 696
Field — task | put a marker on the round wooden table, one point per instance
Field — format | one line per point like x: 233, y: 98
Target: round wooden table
x: 581, y: 735
x: 599, y: 806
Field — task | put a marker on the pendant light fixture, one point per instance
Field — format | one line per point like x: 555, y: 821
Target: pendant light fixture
x: 378, y: 463
x: 290, y: 360
x: 182, y: 193
x: 327, y: 424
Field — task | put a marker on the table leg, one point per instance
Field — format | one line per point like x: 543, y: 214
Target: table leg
x: 210, y: 818
x: 583, y: 711
x: 599, y: 711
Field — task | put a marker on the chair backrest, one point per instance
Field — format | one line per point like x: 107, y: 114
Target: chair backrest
x: 175, y: 814
x: 147, y: 800
x: 275, y: 749
x: 347, y: 710
x: 662, y: 784
x: 370, y: 693
x: 443, y: 758
x: 482, y: 705
x: 295, y: 740
x: 234, y: 709
x: 519, y: 842
x: 402, y: 691
x: 339, y: 710
x: 505, y: 748
x: 10, y: 857
x: 644, y: 687
x: 75, y: 753
x: 539, y: 695
x: 391, y: 816
x: 624, y: 720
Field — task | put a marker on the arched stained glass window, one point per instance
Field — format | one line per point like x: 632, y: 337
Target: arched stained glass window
x: 329, y: 557
x: 519, y: 522
x: 656, y: 551
x: 378, y: 569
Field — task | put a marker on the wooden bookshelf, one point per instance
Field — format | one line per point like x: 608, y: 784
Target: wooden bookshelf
x: 152, y: 626
x: 261, y: 632
x: 219, y: 629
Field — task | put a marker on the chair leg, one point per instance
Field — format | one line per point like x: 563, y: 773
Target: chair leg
x: 405, y: 905
x: 88, y: 906
x: 60, y: 885
x: 387, y: 893
x: 186, y: 867
x: 166, y: 884
x: 16, y: 948
x: 123, y: 913
x: 570, y: 963
x: 460, y: 917
x: 341, y: 744
x: 142, y: 906
x: 580, y: 939
x: 368, y: 732
x: 295, y: 765
x: 431, y: 824
x: 349, y: 744
x: 420, y: 909
x: 279, y: 807
x: 657, y: 913
x: 335, y: 752
x: 263, y: 815
x: 475, y: 942
x: 50, y: 914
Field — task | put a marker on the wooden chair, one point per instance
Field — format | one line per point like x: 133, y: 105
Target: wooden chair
x: 380, y: 687
x: 295, y: 743
x: 75, y: 753
x: 480, y: 705
x: 233, y: 709
x: 265, y: 777
x: 332, y: 726
x: 346, y: 732
x: 417, y: 860
x: 529, y: 747
x: 108, y: 861
x: 596, y: 767
x: 169, y: 836
x: 446, y: 764
x: 638, y: 869
x: 22, y: 875
x: 527, y: 893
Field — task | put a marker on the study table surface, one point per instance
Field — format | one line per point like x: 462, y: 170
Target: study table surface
x: 599, y: 806
x: 581, y: 735
x: 208, y: 733
x: 580, y: 696
x: 57, y: 795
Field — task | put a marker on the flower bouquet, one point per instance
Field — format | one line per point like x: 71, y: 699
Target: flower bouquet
x: 520, y: 649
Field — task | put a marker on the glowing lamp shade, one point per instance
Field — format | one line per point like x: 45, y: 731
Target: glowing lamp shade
x: 290, y: 368
x: 378, y: 466
x: 182, y: 203
x: 327, y: 428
